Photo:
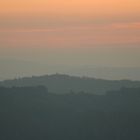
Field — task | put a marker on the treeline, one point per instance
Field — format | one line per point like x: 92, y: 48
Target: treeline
x: 63, y: 84
x: 32, y: 113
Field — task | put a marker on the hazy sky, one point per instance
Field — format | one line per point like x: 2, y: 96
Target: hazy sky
x: 69, y: 32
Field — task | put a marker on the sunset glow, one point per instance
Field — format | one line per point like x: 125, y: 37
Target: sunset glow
x: 73, y: 7
x: 94, y: 32
x: 78, y: 21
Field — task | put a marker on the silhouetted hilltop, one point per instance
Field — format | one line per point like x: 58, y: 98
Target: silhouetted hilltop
x: 25, y: 90
x: 62, y: 84
x: 17, y: 94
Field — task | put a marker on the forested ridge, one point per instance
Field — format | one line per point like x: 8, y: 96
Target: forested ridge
x: 33, y: 113
x: 63, y: 84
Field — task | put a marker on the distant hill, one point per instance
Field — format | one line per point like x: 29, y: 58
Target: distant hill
x: 22, y: 68
x: 62, y: 84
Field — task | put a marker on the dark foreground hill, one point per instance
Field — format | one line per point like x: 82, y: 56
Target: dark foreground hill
x: 62, y: 84
x: 31, y: 113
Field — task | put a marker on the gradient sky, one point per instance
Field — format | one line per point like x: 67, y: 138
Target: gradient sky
x: 74, y: 32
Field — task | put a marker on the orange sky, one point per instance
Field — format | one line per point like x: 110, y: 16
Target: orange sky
x: 50, y: 32
x: 69, y: 23
x: 72, y: 7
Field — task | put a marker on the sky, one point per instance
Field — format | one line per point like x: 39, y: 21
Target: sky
x: 46, y: 36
